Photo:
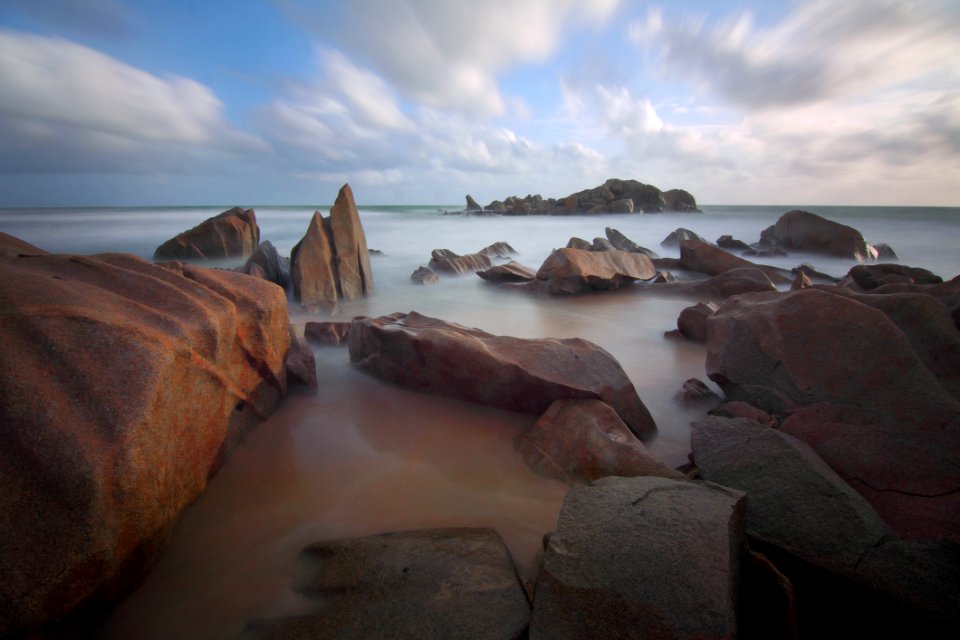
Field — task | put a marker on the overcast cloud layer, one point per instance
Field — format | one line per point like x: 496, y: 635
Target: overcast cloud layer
x: 815, y: 103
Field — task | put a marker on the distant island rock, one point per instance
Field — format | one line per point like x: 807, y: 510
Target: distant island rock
x: 613, y: 196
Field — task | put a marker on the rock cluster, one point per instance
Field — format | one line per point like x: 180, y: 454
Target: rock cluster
x: 613, y: 196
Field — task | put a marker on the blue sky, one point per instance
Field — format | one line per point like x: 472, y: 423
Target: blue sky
x: 166, y: 102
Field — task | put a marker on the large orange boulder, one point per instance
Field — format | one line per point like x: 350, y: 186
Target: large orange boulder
x: 578, y: 271
x: 232, y: 233
x: 805, y: 231
x: 526, y: 375
x: 122, y: 385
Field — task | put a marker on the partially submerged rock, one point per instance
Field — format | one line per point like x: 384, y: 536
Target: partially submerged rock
x: 517, y: 374
x: 622, y: 242
x: 428, y: 584
x: 512, y: 271
x: 122, y: 385
x: 692, y: 321
x: 641, y: 558
x: 301, y: 364
x: 805, y: 231
x: 267, y: 264
x: 724, y: 285
x: 424, y: 275
x: 731, y: 243
x: 446, y: 261
x: 500, y: 250
x: 872, y: 276
x: 577, y: 271
x: 674, y: 238
x: 583, y: 440
x: 327, y: 334
x: 705, y: 258
x: 229, y: 234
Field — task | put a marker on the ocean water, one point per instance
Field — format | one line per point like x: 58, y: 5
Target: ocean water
x: 363, y: 456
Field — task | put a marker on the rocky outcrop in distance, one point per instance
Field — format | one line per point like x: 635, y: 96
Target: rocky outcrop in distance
x: 232, y: 233
x: 122, y: 385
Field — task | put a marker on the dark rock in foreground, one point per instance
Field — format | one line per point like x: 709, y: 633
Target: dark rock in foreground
x: 578, y: 271
x: 517, y: 374
x: 231, y: 233
x: 429, y: 584
x: 692, y: 321
x: 641, y: 558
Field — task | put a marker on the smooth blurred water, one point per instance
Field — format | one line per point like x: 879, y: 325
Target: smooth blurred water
x: 363, y: 456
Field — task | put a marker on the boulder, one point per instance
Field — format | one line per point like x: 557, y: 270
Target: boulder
x: 872, y: 276
x: 266, y: 263
x: 424, y: 275
x: 772, y: 252
x: 446, y: 261
x: 352, y: 261
x: 705, y: 258
x: 583, y: 440
x: 517, y: 374
x: 808, y: 232
x: 724, y: 285
x: 122, y: 385
x: 326, y: 334
x: 229, y: 234
x: 696, y: 392
x: 312, y: 265
x: 426, y: 584
x: 577, y: 271
x: 676, y: 237
x: 692, y: 321
x: 579, y: 243
x: 642, y: 557
x: 816, y: 277
x: 513, y: 271
x: 802, y: 281
x: 602, y: 244
x: 680, y: 200
x: 885, y: 251
x: 847, y: 380
x: 622, y: 242
x: 948, y: 293
x: 500, y: 250
x: 740, y: 409
x: 729, y: 242
x: 301, y: 364
x: 472, y: 204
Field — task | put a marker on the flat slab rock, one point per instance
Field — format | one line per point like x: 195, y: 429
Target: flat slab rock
x: 517, y: 374
x: 416, y: 585
x: 641, y: 558
x: 577, y: 271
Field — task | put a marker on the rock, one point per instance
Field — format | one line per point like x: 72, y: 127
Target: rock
x: 446, y: 261
x: 664, y: 277
x: 848, y: 381
x: 376, y: 253
x: 948, y: 293
x: 796, y: 502
x: 773, y: 252
x: 602, y: 244
x: 500, y: 250
x: 511, y: 272
x: 430, y: 584
x: 815, y: 276
x: 579, y: 243
x: 231, y: 233
x: 680, y: 200
x: 740, y: 409
x: 301, y: 364
x: 312, y: 266
x: 692, y: 321
x: 768, y: 601
x: 583, y: 440
x: 517, y: 374
x: 622, y: 242
x: 676, y: 237
x: 621, y: 206
x: 885, y: 252
x: 326, y: 334
x: 267, y: 264
x: 705, y: 258
x: 424, y: 275
x: 808, y: 232
x: 577, y: 271
x: 641, y: 558
x: 646, y: 198
x: 472, y: 204
x: 728, y: 242
x: 696, y: 392
x: 724, y: 285
x: 802, y: 281
x: 354, y: 276
x: 122, y: 385
x: 871, y: 276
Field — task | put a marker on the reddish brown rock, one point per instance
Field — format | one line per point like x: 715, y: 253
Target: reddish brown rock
x: 622, y: 242
x: 312, y: 265
x: 329, y: 334
x: 301, y: 364
x: 679, y: 235
x: 805, y: 231
x: 696, y: 392
x: 583, y: 440
x: 740, y: 409
x: 872, y: 276
x: 849, y: 382
x: 501, y: 250
x: 423, y: 275
x: 517, y: 374
x: 352, y: 260
x: 711, y: 260
x: 729, y: 242
x: 446, y: 261
x: 122, y: 384
x: 577, y: 271
x: 513, y: 271
x: 728, y: 283
x: 266, y: 263
x: 232, y: 233
x: 692, y: 321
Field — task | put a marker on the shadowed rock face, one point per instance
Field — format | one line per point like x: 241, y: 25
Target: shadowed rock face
x: 232, y: 233
x: 578, y: 271
x: 122, y: 384
x: 517, y: 374
x: 410, y: 585
x: 705, y: 258
x: 805, y: 231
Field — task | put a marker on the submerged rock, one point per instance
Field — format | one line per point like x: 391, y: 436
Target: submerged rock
x: 500, y: 250
x: 231, y: 233
x: 805, y: 231
x: 622, y: 242
x: 577, y: 271
x: 692, y: 321
x: 871, y: 276
x: 424, y: 275
x: 328, y: 334
x: 705, y: 258
x: 446, y: 261
x: 266, y: 263
x: 676, y: 237
x: 511, y: 272
x: 724, y: 285
x: 122, y: 385
x: 427, y: 354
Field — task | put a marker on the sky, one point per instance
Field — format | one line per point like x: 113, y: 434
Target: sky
x: 170, y: 102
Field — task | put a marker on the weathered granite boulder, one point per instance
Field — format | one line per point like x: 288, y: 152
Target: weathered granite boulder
x: 583, y: 440
x: 724, y: 285
x: 692, y: 321
x: 705, y: 258
x: 577, y: 271
x: 512, y: 271
x: 122, y: 384
x: 846, y: 379
x: 696, y: 392
x: 428, y: 584
x: 871, y: 276
x: 446, y: 261
x: 424, y: 275
x: 731, y: 243
x: 231, y: 233
x: 267, y: 264
x: 805, y: 231
x: 331, y: 262
x: 622, y: 242
x: 327, y: 334
x: 680, y: 201
x: 517, y: 374
x: 641, y: 557
x: 602, y: 244
x: 948, y: 293
x: 680, y: 234
x: 500, y: 250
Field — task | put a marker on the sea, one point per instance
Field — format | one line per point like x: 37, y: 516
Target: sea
x: 362, y: 456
